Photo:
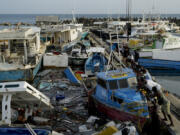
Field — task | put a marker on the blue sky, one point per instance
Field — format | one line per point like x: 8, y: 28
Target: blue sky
x: 85, y: 6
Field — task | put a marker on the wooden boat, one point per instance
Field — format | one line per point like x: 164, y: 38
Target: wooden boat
x: 116, y: 96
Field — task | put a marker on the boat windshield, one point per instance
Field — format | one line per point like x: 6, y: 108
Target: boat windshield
x: 123, y: 83
x: 113, y: 85
x: 102, y: 83
x: 132, y: 82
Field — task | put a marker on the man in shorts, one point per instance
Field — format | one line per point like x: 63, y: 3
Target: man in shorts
x: 165, y: 105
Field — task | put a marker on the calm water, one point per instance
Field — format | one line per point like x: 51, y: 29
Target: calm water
x: 171, y: 84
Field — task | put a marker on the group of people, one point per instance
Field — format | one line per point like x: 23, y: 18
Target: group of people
x: 146, y: 84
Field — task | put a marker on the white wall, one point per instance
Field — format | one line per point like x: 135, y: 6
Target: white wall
x: 50, y: 60
x: 73, y: 34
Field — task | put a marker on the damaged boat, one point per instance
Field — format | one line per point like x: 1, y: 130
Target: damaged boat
x: 95, y: 63
x: 20, y: 54
x: 116, y: 96
x: 21, y: 105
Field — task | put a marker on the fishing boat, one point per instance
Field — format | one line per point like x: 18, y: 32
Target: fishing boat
x: 163, y: 58
x: 95, y: 63
x: 20, y: 54
x: 116, y: 96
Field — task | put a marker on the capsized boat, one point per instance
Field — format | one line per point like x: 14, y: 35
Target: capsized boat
x: 116, y: 96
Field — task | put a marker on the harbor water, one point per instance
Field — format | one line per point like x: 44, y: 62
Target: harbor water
x: 170, y: 83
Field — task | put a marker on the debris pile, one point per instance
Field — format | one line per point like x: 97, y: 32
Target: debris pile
x: 70, y: 114
x: 69, y: 100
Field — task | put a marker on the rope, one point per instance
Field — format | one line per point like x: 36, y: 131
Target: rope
x: 30, y: 129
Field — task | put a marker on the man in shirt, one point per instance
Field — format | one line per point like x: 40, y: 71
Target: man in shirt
x: 165, y: 105
x: 150, y: 84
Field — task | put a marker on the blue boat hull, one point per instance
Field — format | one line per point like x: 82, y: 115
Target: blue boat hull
x: 90, y: 67
x: 20, y: 74
x: 161, y: 67
x: 70, y: 75
x: 116, y: 114
x: 22, y: 131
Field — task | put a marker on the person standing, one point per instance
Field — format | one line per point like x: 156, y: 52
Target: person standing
x: 165, y: 105
x: 136, y: 56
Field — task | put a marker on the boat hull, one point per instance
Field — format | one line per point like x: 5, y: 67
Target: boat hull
x: 20, y: 74
x: 116, y: 114
x: 161, y: 67
x: 22, y: 131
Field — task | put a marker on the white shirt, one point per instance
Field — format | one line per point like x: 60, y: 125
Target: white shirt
x: 148, y: 75
x: 150, y: 84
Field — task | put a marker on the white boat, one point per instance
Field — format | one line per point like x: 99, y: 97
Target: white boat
x: 20, y: 54
x: 20, y: 94
x: 164, y: 56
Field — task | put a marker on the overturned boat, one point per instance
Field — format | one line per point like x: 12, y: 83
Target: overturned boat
x: 116, y: 96
x: 20, y: 54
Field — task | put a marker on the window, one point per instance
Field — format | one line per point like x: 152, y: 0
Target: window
x: 0, y: 86
x: 102, y: 83
x: 132, y: 82
x: 12, y: 86
x: 123, y: 83
x: 113, y: 85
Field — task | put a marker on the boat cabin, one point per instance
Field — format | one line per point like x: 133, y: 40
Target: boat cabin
x: 118, y: 89
x: 20, y: 46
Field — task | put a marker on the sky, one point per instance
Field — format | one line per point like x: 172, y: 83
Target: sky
x: 86, y: 6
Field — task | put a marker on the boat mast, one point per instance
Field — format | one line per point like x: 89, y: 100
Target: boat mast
x: 128, y: 17
x: 74, y: 18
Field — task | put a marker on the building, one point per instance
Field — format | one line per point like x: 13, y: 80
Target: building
x: 47, y: 20
x: 59, y: 34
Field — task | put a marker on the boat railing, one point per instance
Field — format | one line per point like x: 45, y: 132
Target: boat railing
x: 21, y: 94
